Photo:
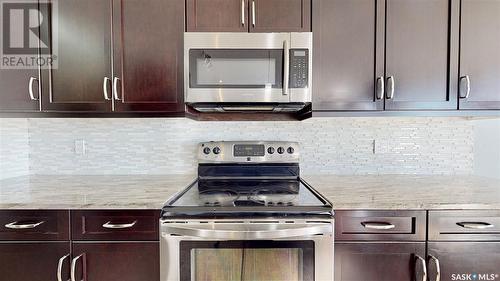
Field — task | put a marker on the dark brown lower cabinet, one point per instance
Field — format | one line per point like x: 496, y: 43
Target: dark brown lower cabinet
x: 32, y: 261
x: 465, y: 260
x: 124, y: 261
x: 379, y: 261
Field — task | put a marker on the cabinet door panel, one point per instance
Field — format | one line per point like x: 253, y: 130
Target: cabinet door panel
x: 345, y: 66
x: 461, y: 260
x: 148, y: 57
x: 32, y: 261
x: 480, y: 53
x: 217, y: 15
x: 119, y: 261
x: 14, y: 90
x: 378, y: 261
x: 417, y: 55
x: 82, y: 32
x: 280, y: 15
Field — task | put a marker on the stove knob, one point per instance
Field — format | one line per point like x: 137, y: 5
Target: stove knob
x: 270, y: 150
x: 216, y: 150
x: 206, y: 150
x: 290, y: 150
x: 281, y: 150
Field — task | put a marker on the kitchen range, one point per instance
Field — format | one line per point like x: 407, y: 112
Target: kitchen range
x: 248, y: 216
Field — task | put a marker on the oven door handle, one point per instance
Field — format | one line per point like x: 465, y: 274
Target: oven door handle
x: 249, y: 232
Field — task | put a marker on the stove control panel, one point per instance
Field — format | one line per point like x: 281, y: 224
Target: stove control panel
x: 248, y: 152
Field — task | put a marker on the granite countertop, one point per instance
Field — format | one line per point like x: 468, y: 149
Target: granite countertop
x: 391, y: 192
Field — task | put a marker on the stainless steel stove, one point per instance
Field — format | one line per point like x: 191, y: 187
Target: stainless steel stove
x: 247, y: 216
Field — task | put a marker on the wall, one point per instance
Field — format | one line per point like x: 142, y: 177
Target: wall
x: 487, y: 147
x: 329, y: 145
x: 14, y: 148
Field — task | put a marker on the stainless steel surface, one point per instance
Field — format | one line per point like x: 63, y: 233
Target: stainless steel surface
x: 227, y: 148
x: 115, y: 88
x: 253, y: 13
x: 475, y: 225
x: 380, y: 87
x: 465, y: 87
x: 243, y: 12
x: 105, y: 88
x: 378, y: 225
x: 286, y: 67
x: 16, y: 225
x: 73, y: 267
x: 320, y: 232
x: 60, y: 266
x: 30, y: 86
x: 438, y: 267
x: 390, y: 87
x: 424, y: 267
x: 110, y: 225
x: 241, y: 40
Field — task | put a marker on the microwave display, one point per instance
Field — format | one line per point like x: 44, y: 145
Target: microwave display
x: 299, y: 68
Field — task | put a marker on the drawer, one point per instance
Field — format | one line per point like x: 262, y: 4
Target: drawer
x: 34, y: 225
x: 464, y: 225
x: 380, y: 225
x: 141, y: 225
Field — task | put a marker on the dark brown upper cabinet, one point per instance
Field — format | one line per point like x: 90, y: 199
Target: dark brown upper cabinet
x: 417, y: 55
x: 148, y: 55
x: 116, y: 56
x: 348, y: 54
x: 479, y: 84
x: 19, y: 90
x: 248, y: 15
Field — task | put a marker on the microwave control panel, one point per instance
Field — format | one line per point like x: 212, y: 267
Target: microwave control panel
x: 299, y: 68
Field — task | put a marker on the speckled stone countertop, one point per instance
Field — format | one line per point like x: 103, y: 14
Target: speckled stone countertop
x: 388, y: 192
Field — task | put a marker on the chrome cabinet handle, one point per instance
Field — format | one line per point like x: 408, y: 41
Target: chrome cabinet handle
x: 380, y: 87
x: 119, y: 226
x: 465, y: 83
x: 253, y: 13
x: 378, y: 225
x: 286, y: 66
x: 60, y: 266
x: 475, y: 225
x: 438, y: 267
x: 16, y: 225
x: 243, y: 12
x: 115, y: 88
x: 105, y: 88
x: 30, y: 86
x: 390, y: 87
x: 424, y: 267
x: 73, y: 267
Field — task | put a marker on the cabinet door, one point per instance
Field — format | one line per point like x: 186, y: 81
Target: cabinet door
x: 118, y: 261
x: 378, y: 261
x: 463, y: 260
x: 417, y: 55
x: 345, y: 66
x: 217, y: 15
x: 33, y: 261
x: 81, y: 31
x: 480, y: 54
x: 280, y: 15
x: 15, y: 92
x: 148, y: 57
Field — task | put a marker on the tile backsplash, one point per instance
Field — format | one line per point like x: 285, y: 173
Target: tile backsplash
x: 413, y: 145
x: 14, y: 148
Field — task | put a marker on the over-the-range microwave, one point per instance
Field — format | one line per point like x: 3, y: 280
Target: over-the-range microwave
x: 248, y: 71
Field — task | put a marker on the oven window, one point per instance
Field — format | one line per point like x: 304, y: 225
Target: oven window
x: 216, y: 68
x: 247, y: 260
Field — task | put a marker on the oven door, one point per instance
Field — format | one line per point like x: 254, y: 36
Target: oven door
x: 247, y: 250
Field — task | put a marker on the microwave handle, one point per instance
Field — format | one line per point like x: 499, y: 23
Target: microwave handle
x: 286, y: 67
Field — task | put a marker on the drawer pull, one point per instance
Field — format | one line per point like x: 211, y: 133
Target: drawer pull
x: 424, y: 267
x: 119, y: 226
x: 60, y: 266
x: 17, y: 225
x: 378, y: 225
x: 475, y: 225
x: 73, y: 267
x: 438, y: 267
